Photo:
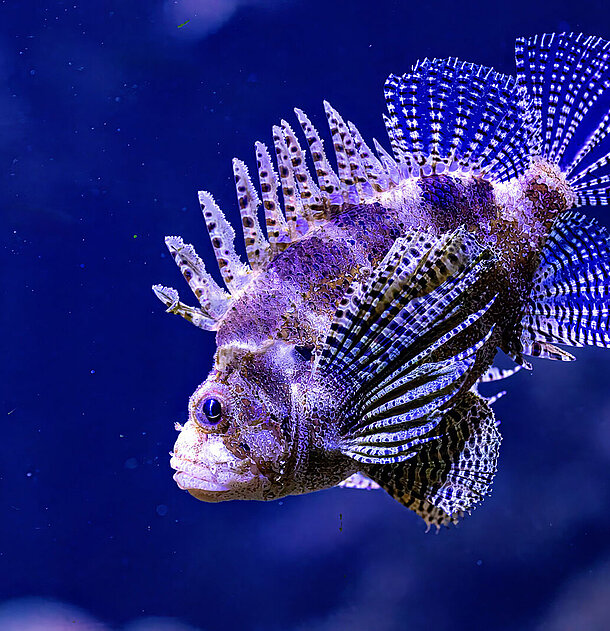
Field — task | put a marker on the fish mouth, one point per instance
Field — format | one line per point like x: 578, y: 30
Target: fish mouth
x: 200, y: 483
x: 210, y: 472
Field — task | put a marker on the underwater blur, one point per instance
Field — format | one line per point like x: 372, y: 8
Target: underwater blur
x: 112, y: 116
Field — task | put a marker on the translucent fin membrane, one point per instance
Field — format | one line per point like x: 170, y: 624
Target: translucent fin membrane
x: 393, y: 345
x: 447, y: 115
x: 449, y: 475
x: 567, y: 75
x: 570, y: 301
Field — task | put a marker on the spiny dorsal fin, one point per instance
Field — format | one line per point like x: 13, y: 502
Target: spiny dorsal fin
x: 308, y: 190
x: 234, y: 272
x: 328, y: 181
x: 375, y: 173
x: 169, y: 297
x: 277, y: 228
x: 355, y: 176
x: 389, y: 164
x: 213, y: 300
x: 293, y: 204
x: 257, y: 247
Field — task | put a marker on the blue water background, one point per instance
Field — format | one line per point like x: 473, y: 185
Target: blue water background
x: 112, y: 116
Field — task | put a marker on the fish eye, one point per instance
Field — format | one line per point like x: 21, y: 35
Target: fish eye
x: 213, y: 410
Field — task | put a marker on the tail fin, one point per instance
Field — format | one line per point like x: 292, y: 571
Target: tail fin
x: 567, y: 77
x: 570, y: 300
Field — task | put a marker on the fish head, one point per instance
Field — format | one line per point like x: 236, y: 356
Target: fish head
x: 239, y: 438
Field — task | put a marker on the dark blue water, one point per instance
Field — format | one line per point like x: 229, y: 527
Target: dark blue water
x: 111, y: 118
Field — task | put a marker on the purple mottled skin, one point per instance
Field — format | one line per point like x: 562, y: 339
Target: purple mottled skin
x: 272, y: 442
x: 350, y: 348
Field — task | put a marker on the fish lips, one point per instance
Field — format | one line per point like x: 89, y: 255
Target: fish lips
x: 210, y: 472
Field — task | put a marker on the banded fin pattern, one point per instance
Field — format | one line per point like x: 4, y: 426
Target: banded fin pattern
x: 570, y: 300
x: 449, y: 476
x: 213, y: 301
x: 497, y: 374
x: 306, y: 201
x: 447, y: 115
x: 389, y: 343
x: 567, y: 75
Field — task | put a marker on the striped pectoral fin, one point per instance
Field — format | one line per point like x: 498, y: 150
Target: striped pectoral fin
x: 449, y: 475
x: 403, y: 343
x: 570, y: 300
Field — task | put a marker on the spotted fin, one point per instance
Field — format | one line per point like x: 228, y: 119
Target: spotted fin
x: 450, y: 475
x: 448, y: 115
x: 402, y: 342
x: 359, y: 481
x: 306, y: 200
x: 567, y: 76
x: 570, y: 300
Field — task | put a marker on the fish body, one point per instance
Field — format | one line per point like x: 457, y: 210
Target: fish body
x: 350, y: 347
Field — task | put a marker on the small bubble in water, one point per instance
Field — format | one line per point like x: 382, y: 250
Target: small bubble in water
x: 162, y: 510
x: 131, y: 463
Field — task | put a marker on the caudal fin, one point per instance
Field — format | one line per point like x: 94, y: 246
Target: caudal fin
x: 570, y: 299
x: 567, y: 77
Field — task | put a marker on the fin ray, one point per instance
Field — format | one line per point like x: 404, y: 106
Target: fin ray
x: 570, y: 300
x: 452, y: 473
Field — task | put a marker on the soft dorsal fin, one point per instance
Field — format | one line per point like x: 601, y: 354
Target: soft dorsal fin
x: 447, y: 114
x: 402, y: 341
x: 567, y: 75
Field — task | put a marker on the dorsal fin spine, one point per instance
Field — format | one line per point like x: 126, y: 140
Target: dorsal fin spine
x: 375, y: 172
x: 293, y: 205
x: 169, y: 297
x: 234, y: 273
x: 309, y: 192
x: 213, y: 300
x: 343, y: 169
x: 327, y: 178
x: 277, y: 228
x: 257, y: 248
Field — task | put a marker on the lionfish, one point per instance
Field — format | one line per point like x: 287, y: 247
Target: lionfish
x: 350, y: 348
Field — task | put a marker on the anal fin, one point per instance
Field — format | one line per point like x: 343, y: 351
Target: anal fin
x: 358, y: 481
x: 450, y: 475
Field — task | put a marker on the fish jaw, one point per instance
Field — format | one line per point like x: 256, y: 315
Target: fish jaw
x: 210, y: 472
